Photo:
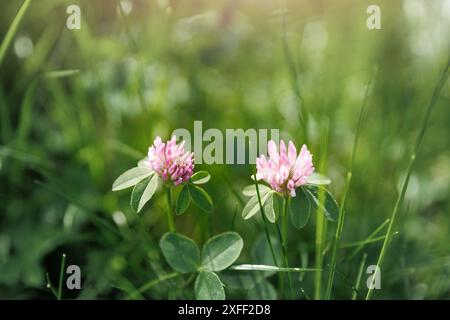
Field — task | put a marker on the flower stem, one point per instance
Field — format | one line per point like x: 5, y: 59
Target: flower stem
x: 283, y: 240
x: 284, y: 221
x: 266, y: 229
x: 170, y: 220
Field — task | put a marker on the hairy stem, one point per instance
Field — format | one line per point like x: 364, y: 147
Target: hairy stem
x: 170, y: 220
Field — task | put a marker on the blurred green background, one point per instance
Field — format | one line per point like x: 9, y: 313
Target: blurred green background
x: 155, y: 66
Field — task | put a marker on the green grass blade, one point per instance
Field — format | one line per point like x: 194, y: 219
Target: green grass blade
x: 5, y: 118
x: 61, y: 276
x: 401, y: 196
x: 60, y: 73
x: 13, y: 30
x: 122, y: 148
x: 358, y: 278
x: 341, y: 219
x: 25, y: 120
x: 294, y: 80
x: 363, y: 242
x: 50, y: 286
x: 263, y: 267
x: 320, y: 216
x: 368, y: 239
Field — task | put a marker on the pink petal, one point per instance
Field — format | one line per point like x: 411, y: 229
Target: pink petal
x: 292, y: 153
x: 272, y: 148
x: 282, y: 149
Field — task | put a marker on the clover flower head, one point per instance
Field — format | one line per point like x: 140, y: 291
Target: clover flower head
x: 284, y: 171
x: 170, y: 160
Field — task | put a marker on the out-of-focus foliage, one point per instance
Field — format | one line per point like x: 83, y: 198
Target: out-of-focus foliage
x: 156, y: 66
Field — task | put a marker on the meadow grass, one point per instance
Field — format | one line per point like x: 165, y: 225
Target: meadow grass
x: 341, y: 219
x: 6, y: 42
x: 401, y: 195
x: 86, y: 105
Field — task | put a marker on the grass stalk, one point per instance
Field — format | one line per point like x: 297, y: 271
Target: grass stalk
x: 363, y: 242
x: 61, y: 276
x: 359, y: 276
x: 294, y: 79
x: 13, y: 30
x: 319, y: 248
x: 320, y: 217
x: 401, y: 196
x: 368, y: 239
x: 50, y: 286
x: 341, y: 219
x: 262, y: 267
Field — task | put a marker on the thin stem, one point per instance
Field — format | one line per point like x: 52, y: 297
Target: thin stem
x: 358, y: 278
x: 337, y: 236
x: 369, y: 238
x: 294, y: 80
x: 155, y: 282
x: 284, y: 223
x: 266, y: 228
x: 341, y: 219
x: 61, y: 276
x: 127, y: 286
x: 319, y: 246
x: 50, y: 286
x: 283, y: 240
x: 170, y: 220
x: 263, y: 267
x: 320, y: 216
x: 233, y: 189
x: 363, y: 242
x: 401, y: 196
x: 389, y: 232
x: 130, y: 38
x: 261, y: 209
x: 307, y: 297
x: 189, y: 280
x: 13, y: 29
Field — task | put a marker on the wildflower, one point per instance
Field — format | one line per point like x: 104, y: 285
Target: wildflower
x: 173, y: 165
x: 284, y: 171
x: 170, y: 161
